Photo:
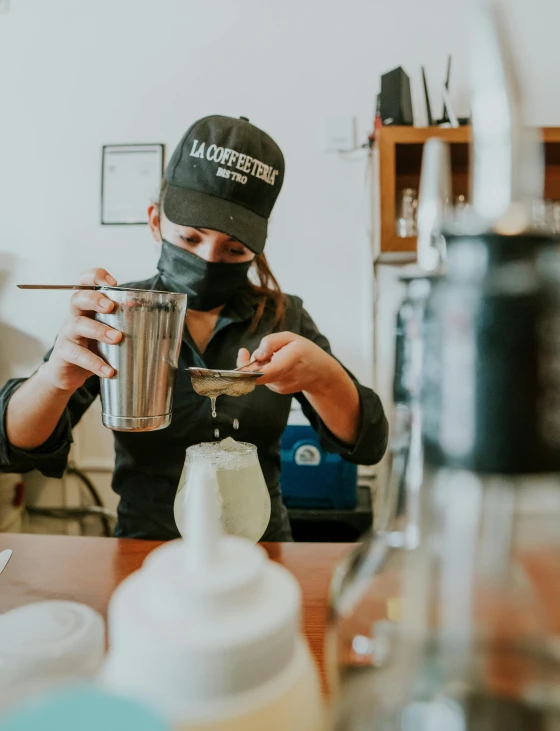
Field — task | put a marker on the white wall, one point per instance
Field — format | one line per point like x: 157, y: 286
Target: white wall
x: 77, y: 75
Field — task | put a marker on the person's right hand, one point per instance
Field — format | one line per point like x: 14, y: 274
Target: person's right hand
x: 74, y: 357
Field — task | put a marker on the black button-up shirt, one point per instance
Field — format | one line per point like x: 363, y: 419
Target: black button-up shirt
x: 148, y: 465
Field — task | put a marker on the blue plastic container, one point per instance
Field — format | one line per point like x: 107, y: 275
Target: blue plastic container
x: 313, y: 478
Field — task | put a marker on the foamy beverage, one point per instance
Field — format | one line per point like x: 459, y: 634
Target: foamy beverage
x: 242, y: 494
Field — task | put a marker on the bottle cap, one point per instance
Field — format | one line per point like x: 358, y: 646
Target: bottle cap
x: 46, y: 639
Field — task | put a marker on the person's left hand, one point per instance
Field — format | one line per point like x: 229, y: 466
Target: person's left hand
x: 291, y: 363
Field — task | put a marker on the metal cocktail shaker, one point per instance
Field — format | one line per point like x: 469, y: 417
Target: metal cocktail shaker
x: 139, y: 396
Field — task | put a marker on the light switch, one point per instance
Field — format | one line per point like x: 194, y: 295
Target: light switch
x: 339, y: 133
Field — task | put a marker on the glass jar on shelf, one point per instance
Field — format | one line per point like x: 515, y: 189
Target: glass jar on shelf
x: 406, y: 213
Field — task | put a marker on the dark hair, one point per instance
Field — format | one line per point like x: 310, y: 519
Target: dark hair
x: 265, y: 292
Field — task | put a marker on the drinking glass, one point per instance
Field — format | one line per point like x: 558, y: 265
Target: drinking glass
x: 241, y: 492
x: 406, y: 219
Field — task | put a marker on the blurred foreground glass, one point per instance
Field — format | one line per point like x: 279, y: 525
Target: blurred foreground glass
x: 477, y: 642
x: 374, y: 569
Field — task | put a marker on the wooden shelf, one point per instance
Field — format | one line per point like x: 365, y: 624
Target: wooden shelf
x: 396, y: 258
x: 419, y: 135
x: 550, y: 135
x: 400, y: 159
x: 400, y: 244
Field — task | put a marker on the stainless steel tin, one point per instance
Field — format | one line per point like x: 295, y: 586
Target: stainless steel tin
x: 139, y: 397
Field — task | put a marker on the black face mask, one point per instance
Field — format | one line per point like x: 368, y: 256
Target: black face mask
x: 207, y: 284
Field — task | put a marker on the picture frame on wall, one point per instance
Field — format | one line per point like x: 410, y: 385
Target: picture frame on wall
x: 130, y: 178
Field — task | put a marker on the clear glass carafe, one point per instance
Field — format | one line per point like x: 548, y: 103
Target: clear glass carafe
x: 476, y: 642
x: 366, y: 590
x: 241, y: 493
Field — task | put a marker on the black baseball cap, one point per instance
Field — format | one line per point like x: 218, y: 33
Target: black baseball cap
x: 225, y: 175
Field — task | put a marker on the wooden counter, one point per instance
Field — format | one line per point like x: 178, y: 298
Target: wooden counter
x: 87, y: 570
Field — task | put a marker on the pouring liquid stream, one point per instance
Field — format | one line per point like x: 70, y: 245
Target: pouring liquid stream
x: 214, y: 414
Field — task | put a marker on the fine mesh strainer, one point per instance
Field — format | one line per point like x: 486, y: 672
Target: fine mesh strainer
x: 213, y: 383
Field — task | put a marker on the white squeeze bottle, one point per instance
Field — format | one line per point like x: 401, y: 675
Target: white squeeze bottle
x: 208, y: 633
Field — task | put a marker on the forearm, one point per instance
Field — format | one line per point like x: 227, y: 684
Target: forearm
x: 34, y: 411
x: 337, y: 402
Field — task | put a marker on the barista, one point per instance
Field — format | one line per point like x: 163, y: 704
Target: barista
x: 211, y: 221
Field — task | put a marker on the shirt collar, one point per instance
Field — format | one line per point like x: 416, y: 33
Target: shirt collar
x: 241, y: 307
